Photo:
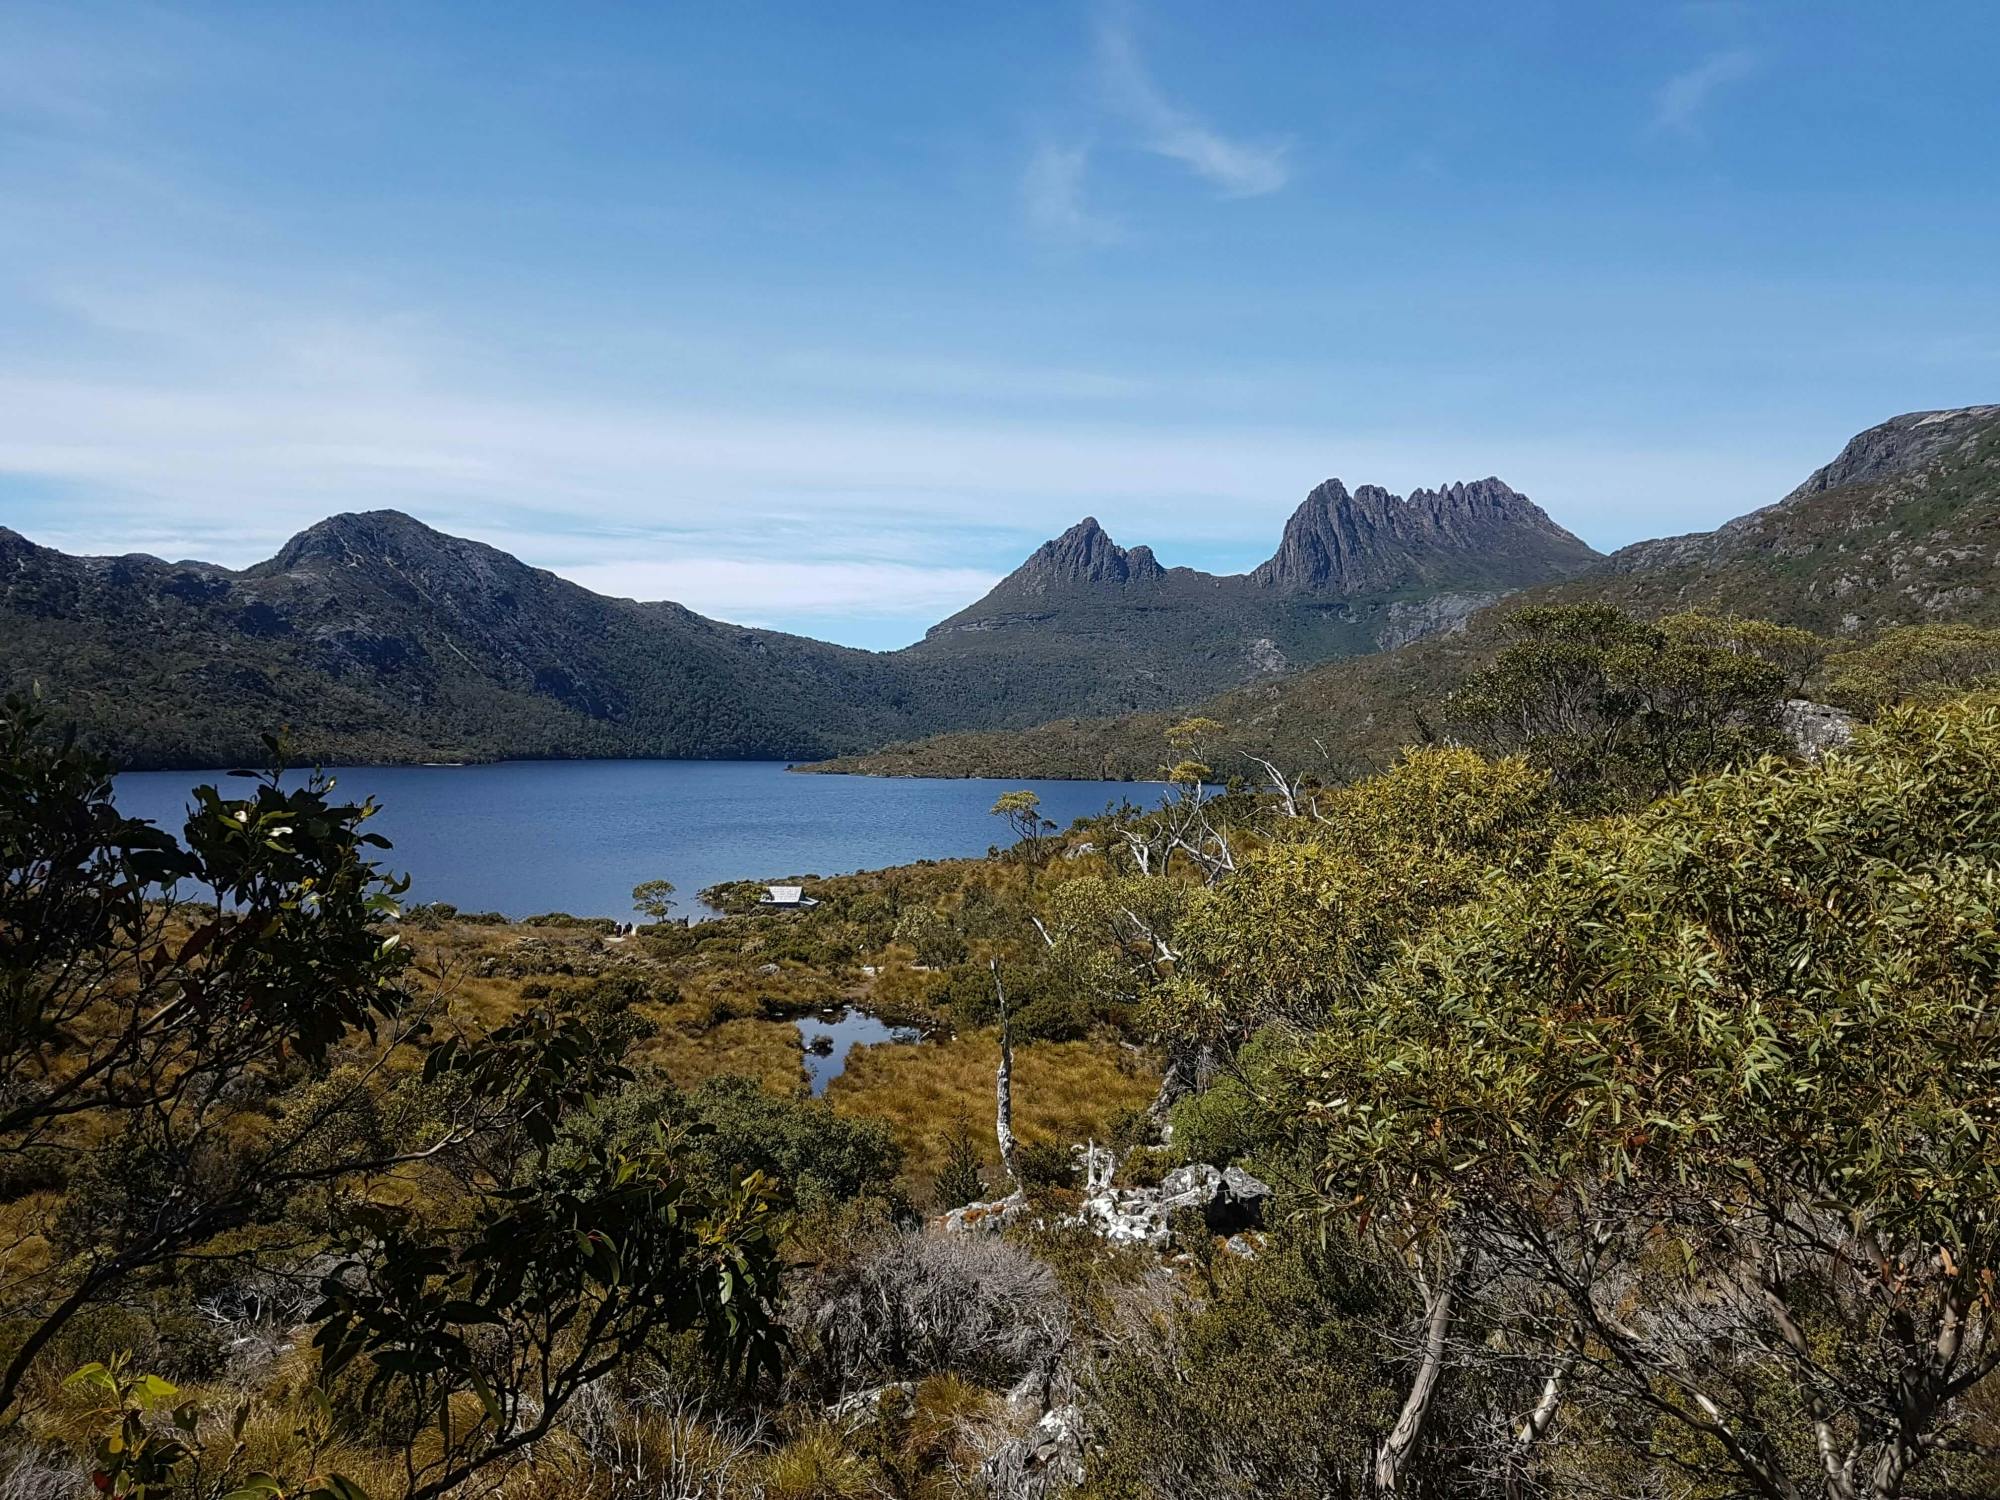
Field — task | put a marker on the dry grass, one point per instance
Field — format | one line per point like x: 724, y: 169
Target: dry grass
x: 768, y: 1051
x: 1064, y: 1092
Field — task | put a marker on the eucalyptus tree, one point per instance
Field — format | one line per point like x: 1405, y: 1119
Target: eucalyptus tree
x: 1620, y: 710
x: 1720, y: 1084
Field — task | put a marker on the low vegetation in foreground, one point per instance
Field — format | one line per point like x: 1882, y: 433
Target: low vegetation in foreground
x: 1621, y: 1065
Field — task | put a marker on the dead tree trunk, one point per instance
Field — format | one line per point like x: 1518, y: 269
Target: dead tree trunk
x: 1003, y: 1084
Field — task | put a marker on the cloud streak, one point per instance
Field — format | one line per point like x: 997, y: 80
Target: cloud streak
x: 1237, y: 168
x: 762, y: 591
x: 1052, y: 193
x: 1682, y: 100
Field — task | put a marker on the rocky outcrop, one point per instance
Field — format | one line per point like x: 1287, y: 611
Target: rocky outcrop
x: 1814, y: 728
x: 1441, y: 614
x: 1044, y: 1462
x: 1228, y: 1199
x: 1084, y: 554
x: 1893, y: 455
x: 1371, y: 541
x: 985, y: 1218
x: 1901, y: 445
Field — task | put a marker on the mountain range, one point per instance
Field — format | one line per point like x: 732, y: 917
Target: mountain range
x: 1901, y: 527
x: 372, y: 637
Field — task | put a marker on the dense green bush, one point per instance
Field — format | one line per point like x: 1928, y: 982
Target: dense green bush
x: 730, y: 1126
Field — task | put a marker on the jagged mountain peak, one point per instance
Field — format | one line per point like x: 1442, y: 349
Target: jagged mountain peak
x: 1083, y: 554
x: 1371, y: 539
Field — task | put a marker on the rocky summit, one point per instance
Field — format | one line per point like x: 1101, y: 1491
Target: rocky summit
x: 1371, y: 540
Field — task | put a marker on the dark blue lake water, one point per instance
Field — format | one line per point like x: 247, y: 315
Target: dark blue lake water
x: 522, y: 837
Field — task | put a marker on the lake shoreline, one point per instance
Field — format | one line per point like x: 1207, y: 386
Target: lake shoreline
x: 523, y: 838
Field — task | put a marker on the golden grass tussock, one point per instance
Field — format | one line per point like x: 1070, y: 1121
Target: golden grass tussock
x: 768, y: 1051
x: 820, y: 1464
x: 1064, y: 1092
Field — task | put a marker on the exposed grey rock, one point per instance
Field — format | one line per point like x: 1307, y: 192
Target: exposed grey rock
x: 1085, y: 554
x: 863, y: 1407
x: 1370, y: 540
x: 1243, y: 1188
x: 1441, y: 614
x: 1815, y: 728
x: 1899, y: 449
x: 1030, y: 1395
x: 1227, y: 1202
x: 1266, y: 658
x: 985, y: 1218
x: 1040, y: 1464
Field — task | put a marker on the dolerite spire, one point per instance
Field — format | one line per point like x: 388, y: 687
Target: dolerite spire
x: 1084, y: 554
x: 1370, y: 541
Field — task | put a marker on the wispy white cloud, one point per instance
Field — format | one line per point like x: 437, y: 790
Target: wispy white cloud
x: 764, y: 591
x: 1239, y: 168
x: 1682, y: 100
x: 1052, y: 193
x: 227, y: 469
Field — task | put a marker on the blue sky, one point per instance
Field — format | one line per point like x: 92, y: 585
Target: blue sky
x: 821, y: 316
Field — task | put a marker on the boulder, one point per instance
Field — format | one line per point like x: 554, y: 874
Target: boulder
x: 985, y: 1218
x: 1814, y: 728
x: 1228, y: 1202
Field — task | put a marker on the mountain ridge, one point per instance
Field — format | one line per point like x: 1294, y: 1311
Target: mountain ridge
x: 1901, y: 527
x: 375, y: 636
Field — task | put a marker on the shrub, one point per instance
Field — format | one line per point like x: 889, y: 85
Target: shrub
x: 925, y: 1304
x: 1044, y: 1165
x: 1281, y: 1374
x: 733, y: 1126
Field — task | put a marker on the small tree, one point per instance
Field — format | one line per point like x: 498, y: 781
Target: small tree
x: 1023, y: 812
x: 960, y: 1178
x: 653, y: 898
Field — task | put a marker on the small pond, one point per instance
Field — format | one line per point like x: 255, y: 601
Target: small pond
x: 853, y: 1028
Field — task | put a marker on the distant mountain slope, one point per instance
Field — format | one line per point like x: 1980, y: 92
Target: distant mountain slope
x: 1902, y: 527
x: 372, y: 636
x: 375, y: 637
x: 1085, y: 625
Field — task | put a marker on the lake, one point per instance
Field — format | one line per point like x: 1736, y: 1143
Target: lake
x: 522, y: 837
